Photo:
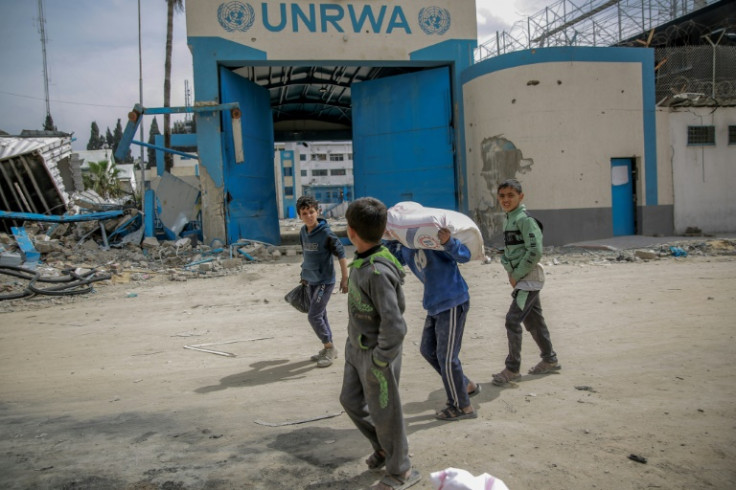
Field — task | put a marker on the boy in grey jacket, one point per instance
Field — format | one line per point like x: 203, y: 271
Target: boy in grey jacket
x: 376, y: 330
x: 522, y: 253
x: 319, y: 246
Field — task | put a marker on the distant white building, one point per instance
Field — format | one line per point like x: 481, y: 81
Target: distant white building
x: 322, y: 169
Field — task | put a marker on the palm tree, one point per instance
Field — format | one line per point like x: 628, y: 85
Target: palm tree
x: 103, y: 179
x: 173, y: 5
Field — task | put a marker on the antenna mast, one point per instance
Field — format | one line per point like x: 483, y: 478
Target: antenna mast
x: 42, y: 25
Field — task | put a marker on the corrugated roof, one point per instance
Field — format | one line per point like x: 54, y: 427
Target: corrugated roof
x: 54, y: 147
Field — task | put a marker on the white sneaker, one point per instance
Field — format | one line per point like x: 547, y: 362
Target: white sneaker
x: 326, y: 356
x: 318, y: 355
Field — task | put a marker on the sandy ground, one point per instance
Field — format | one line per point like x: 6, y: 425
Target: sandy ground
x: 101, y: 392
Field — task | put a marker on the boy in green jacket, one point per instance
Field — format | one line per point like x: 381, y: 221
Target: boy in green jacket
x: 522, y: 253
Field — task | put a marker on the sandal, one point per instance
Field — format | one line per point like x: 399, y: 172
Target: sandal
x: 475, y: 391
x: 450, y: 413
x: 505, y: 377
x: 376, y: 460
x: 398, y: 482
x: 544, y: 367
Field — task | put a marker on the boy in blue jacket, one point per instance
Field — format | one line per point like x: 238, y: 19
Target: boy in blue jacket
x: 447, y: 301
x: 319, y: 246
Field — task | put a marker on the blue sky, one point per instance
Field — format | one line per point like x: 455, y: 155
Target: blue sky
x: 92, y: 59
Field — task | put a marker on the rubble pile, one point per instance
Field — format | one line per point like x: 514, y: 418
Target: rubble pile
x: 676, y: 249
x: 79, y: 251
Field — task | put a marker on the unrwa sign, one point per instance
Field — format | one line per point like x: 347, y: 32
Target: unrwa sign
x: 326, y: 17
x: 331, y: 30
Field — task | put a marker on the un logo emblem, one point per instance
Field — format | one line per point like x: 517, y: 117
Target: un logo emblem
x: 434, y: 20
x: 235, y: 16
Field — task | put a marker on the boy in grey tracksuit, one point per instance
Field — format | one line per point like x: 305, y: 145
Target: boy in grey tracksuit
x: 376, y: 330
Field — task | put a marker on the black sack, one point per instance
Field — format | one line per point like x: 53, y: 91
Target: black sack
x: 299, y: 298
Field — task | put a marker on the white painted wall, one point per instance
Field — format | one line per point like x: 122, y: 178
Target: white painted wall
x: 664, y: 158
x: 568, y: 119
x: 704, y: 176
x: 393, y: 35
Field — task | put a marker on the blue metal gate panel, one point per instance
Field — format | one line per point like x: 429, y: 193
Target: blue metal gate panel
x: 622, y: 197
x: 250, y: 186
x: 403, y: 139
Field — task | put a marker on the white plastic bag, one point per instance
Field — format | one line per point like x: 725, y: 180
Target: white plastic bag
x: 455, y: 479
x: 416, y: 227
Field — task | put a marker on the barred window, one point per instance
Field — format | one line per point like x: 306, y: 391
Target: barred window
x: 337, y: 157
x: 701, y: 135
x: 337, y: 171
x: 319, y: 173
x: 732, y: 135
x: 304, y: 173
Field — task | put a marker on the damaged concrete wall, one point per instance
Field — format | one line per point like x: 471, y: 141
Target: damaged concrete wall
x: 213, y: 207
x: 554, y: 118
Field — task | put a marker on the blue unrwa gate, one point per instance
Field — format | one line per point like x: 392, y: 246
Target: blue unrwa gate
x: 250, y: 185
x: 403, y: 139
x: 406, y: 129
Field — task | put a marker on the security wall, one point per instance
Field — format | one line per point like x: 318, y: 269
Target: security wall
x: 555, y: 119
x: 704, y: 167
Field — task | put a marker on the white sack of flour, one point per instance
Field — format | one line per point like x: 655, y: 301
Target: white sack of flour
x: 416, y: 227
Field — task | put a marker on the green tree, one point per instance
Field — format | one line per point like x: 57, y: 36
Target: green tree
x: 152, y: 132
x: 109, y: 141
x: 94, y: 137
x: 172, y: 5
x: 48, y: 124
x: 102, y: 177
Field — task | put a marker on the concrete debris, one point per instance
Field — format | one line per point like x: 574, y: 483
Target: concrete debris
x: 150, y: 242
x: 646, y: 254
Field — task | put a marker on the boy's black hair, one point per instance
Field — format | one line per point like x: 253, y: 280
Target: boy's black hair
x: 306, y: 202
x: 512, y: 183
x: 367, y: 216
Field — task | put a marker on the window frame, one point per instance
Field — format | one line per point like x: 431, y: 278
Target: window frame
x: 702, y: 135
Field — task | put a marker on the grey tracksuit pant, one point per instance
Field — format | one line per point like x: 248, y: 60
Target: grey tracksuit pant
x: 370, y: 396
x: 526, y: 309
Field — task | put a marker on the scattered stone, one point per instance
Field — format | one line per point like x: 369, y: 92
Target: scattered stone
x: 646, y: 254
x: 89, y: 245
x: 231, y: 263
x: 150, y: 242
x: 637, y: 458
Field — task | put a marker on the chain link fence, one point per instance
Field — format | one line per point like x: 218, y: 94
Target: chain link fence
x: 588, y: 23
x: 696, y: 75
